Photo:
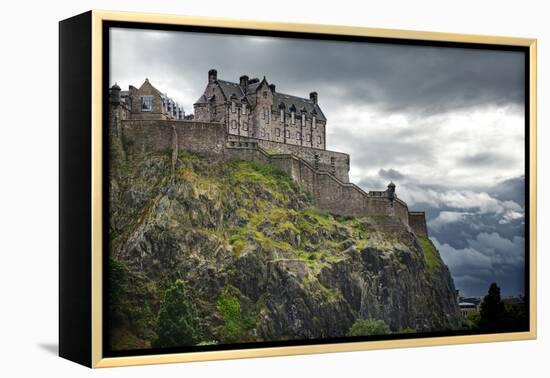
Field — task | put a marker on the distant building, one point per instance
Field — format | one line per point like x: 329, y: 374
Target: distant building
x: 147, y: 103
x: 468, y: 305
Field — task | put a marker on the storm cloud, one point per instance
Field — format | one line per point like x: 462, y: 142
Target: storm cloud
x: 445, y: 124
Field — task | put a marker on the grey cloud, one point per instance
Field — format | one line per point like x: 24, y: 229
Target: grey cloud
x: 415, y: 79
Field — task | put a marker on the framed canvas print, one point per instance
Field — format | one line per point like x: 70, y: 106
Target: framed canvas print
x: 234, y: 189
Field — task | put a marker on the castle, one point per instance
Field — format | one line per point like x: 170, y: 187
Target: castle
x: 250, y: 120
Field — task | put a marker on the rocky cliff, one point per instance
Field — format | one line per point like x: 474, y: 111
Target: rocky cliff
x: 246, y: 233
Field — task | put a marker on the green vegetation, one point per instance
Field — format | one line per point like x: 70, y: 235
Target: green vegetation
x: 431, y: 255
x: 369, y: 327
x: 236, y: 321
x: 177, y: 321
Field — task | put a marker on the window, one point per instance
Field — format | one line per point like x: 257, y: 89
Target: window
x: 303, y: 119
x: 292, y: 118
x: 264, y: 94
x: 298, y: 136
x: 277, y: 132
x: 313, y: 122
x: 233, y: 106
x: 319, y: 139
x: 282, y: 115
x: 146, y: 103
x: 245, y: 126
x: 243, y: 109
x: 262, y: 133
x: 287, y: 134
x: 308, y: 137
x: 233, y: 124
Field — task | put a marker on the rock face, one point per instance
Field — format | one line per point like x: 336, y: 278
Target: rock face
x: 247, y: 231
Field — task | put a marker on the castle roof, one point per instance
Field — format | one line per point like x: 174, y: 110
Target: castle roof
x: 229, y: 89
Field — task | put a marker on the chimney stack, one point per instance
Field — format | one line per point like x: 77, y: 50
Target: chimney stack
x: 313, y: 97
x: 272, y: 88
x: 243, y: 81
x: 212, y: 75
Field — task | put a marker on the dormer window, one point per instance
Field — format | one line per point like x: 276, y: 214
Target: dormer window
x: 319, y: 139
x: 233, y: 107
x: 293, y: 117
x: 314, y: 122
x: 243, y: 109
x: 303, y: 119
x: 282, y: 115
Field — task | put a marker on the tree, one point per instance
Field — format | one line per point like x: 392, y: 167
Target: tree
x: 370, y: 327
x: 493, y: 312
x: 177, y: 321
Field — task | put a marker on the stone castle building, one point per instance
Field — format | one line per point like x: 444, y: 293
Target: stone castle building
x: 253, y: 108
x: 250, y: 120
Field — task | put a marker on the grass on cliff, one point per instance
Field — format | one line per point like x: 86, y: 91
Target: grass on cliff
x: 431, y: 255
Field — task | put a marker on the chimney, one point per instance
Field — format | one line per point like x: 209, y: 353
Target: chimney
x: 243, y: 81
x: 313, y: 97
x: 212, y: 75
x: 272, y: 88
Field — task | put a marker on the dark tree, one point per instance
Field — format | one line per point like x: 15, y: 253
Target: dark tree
x: 177, y: 321
x: 493, y: 313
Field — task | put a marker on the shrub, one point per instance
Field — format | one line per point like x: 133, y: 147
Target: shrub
x: 369, y: 327
x: 177, y: 321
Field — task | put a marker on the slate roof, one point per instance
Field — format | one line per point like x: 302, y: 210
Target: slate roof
x: 229, y: 88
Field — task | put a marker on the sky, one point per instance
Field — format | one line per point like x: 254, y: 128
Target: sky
x: 446, y: 125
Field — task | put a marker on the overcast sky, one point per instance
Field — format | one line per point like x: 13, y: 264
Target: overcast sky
x: 445, y: 124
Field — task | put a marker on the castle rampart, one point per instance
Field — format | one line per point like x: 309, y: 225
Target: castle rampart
x: 333, y: 162
x: 209, y: 139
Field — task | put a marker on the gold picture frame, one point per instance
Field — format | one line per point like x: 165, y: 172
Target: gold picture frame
x: 92, y: 24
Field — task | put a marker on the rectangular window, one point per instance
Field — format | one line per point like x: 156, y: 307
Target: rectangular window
x: 313, y: 122
x: 298, y: 136
x: 292, y: 118
x: 282, y: 115
x: 277, y: 132
x: 303, y: 120
x: 308, y: 137
x: 262, y: 133
x: 233, y: 106
x: 146, y: 103
x: 245, y: 126
x: 233, y: 124
x: 319, y: 139
x: 243, y: 109
x: 287, y: 134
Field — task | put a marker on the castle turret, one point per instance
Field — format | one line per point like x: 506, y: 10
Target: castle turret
x: 391, y: 190
x: 115, y: 94
x: 212, y: 75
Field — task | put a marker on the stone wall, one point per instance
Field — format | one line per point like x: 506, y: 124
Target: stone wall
x: 417, y: 221
x: 205, y: 138
x: 330, y: 192
x: 333, y: 162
